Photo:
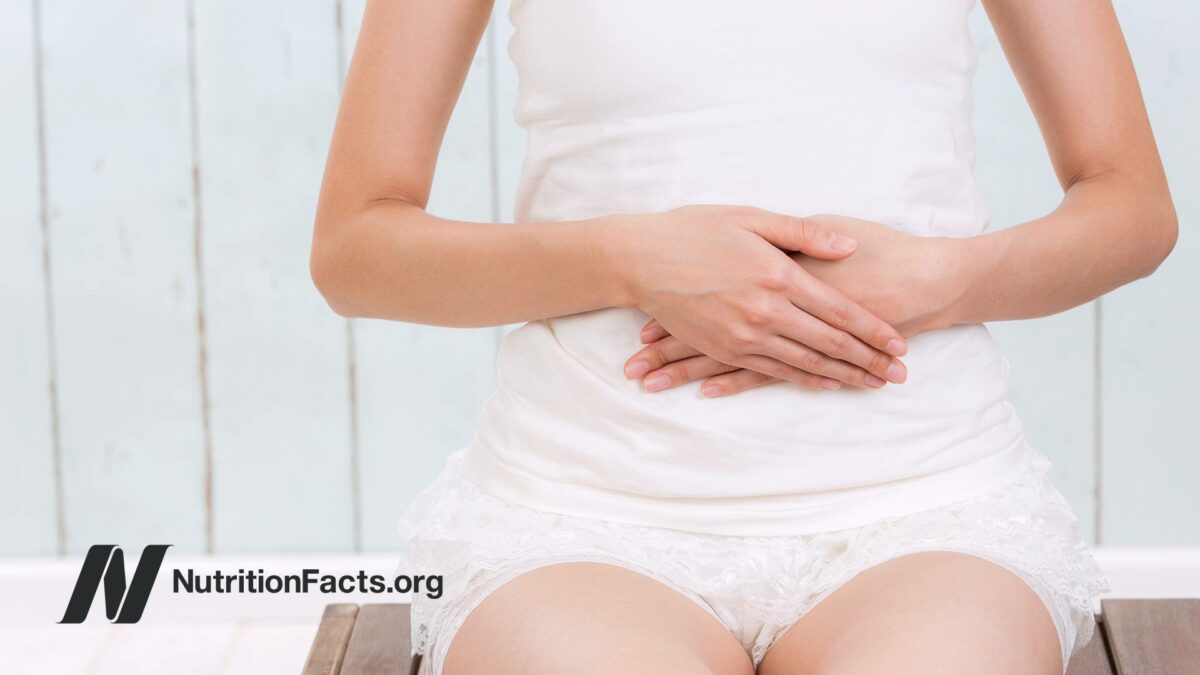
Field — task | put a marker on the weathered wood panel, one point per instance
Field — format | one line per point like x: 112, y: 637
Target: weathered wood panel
x: 380, y: 642
x: 1154, y: 636
x: 329, y: 646
x: 419, y: 389
x: 1052, y: 359
x: 1151, y: 329
x: 28, y: 513
x: 266, y: 91
x: 121, y: 224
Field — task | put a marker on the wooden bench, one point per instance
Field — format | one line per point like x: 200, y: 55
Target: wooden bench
x: 1134, y: 637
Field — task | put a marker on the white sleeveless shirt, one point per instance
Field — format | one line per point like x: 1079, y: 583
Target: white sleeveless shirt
x: 855, y: 107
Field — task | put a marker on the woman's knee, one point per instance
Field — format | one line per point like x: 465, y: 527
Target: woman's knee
x: 592, y: 618
x: 929, y: 612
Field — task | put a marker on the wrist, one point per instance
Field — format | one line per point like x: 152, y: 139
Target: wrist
x: 610, y: 241
x: 964, y: 263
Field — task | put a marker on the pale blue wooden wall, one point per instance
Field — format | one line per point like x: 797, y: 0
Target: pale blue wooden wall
x: 170, y: 375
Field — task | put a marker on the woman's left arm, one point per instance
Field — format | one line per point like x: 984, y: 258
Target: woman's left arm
x: 1116, y: 222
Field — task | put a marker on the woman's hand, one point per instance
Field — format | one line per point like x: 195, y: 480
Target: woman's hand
x: 716, y: 278
x: 904, y: 279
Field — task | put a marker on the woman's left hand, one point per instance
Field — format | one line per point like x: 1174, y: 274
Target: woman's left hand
x: 904, y: 279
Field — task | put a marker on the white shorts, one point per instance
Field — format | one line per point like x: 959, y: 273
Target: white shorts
x: 757, y: 587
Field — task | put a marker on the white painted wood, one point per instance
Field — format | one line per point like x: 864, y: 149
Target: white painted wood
x: 28, y: 514
x: 266, y: 88
x: 192, y: 648
x: 1151, y: 329
x: 270, y: 647
x: 52, y: 649
x: 1052, y: 385
x: 124, y: 283
x: 420, y: 388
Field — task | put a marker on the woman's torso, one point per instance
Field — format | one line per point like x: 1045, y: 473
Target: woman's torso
x: 858, y: 107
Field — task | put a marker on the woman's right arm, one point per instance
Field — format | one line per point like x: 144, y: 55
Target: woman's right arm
x: 717, y: 275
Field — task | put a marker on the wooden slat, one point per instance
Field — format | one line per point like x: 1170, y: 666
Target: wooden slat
x: 381, y: 643
x: 1154, y: 636
x: 1149, y: 354
x: 329, y: 646
x: 28, y: 515
x: 266, y: 90
x: 1093, y: 659
x: 121, y: 237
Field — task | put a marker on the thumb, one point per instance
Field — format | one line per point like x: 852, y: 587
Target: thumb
x: 806, y: 234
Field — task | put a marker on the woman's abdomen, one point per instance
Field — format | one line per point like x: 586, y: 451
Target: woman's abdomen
x: 566, y: 431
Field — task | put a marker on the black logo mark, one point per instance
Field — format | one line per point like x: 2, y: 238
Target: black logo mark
x: 106, y: 562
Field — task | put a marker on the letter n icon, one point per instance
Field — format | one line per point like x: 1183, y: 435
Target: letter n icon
x: 106, y: 562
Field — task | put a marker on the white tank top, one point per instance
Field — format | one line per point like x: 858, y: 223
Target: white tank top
x: 855, y: 107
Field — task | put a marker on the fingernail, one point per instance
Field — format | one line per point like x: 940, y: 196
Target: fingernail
x: 658, y: 382
x: 875, y: 381
x: 842, y: 243
x: 896, y: 347
x: 711, y: 390
x: 896, y: 372
x: 830, y: 383
x: 637, y: 369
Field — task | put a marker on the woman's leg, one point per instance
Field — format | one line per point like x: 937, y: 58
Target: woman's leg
x: 929, y: 613
x: 585, y: 618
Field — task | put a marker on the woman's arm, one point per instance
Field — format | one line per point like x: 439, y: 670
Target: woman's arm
x: 1116, y: 222
x: 715, y: 274
x: 376, y: 251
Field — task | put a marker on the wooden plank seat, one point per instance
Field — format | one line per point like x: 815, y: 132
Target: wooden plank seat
x: 1133, y: 637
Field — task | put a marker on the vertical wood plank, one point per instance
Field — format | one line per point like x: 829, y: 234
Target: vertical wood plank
x: 28, y: 513
x: 329, y: 644
x: 1052, y: 359
x: 1152, y: 327
x: 1154, y: 636
x: 380, y: 642
x: 419, y: 389
x: 266, y: 91
x: 119, y: 182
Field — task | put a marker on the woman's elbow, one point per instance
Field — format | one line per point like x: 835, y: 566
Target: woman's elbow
x: 327, y: 268
x: 1163, y: 233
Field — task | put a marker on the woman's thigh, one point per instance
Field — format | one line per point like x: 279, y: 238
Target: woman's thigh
x: 931, y: 612
x: 592, y: 618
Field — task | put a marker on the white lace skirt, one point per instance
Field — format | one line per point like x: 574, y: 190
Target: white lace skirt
x: 756, y: 586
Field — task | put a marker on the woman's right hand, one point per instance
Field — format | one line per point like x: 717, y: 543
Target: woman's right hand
x: 719, y: 279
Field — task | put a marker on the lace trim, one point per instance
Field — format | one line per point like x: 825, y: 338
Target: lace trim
x: 478, y: 542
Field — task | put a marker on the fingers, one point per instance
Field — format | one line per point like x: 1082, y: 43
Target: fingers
x: 817, y: 347
x: 653, y: 331
x: 807, y: 235
x: 829, y: 305
x: 735, y: 382
x: 669, y: 362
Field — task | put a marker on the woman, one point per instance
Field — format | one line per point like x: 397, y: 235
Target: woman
x: 754, y: 421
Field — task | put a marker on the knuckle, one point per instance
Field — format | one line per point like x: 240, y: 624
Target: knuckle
x: 810, y: 361
x: 757, y: 314
x: 808, y: 229
x: 657, y: 355
x: 777, y: 278
x: 838, y: 343
x: 840, y: 313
